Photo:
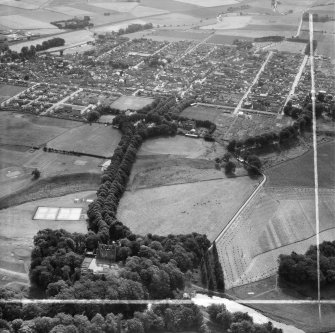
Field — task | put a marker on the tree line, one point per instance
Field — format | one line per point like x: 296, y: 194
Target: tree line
x: 30, y: 52
x: 301, y: 269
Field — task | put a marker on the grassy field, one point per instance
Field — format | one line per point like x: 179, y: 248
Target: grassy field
x: 204, y: 207
x: 131, y: 103
x: 201, y: 112
x: 290, y: 173
x: 29, y: 130
x: 181, y: 146
x: 17, y: 229
x: 94, y: 139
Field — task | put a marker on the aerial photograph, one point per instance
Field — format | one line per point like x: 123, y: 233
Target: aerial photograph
x: 167, y: 166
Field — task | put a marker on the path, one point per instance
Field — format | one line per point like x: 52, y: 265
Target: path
x: 253, y: 83
x: 241, y: 209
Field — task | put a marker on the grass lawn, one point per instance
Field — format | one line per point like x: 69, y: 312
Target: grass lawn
x: 94, y: 139
x: 204, y: 207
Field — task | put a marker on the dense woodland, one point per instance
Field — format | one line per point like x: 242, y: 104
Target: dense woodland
x: 301, y: 269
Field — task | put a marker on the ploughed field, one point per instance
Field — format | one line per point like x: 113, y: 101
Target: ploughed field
x: 280, y: 219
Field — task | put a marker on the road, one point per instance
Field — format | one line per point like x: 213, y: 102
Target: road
x: 238, y: 107
x: 296, y: 81
x: 258, y: 188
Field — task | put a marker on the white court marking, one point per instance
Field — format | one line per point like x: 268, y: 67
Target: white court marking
x: 58, y: 214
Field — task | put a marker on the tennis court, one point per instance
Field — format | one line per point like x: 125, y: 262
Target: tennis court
x: 57, y: 214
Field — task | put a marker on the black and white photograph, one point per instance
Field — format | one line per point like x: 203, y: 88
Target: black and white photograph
x: 167, y: 166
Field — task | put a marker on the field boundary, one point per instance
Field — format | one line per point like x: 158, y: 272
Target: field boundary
x: 51, y: 187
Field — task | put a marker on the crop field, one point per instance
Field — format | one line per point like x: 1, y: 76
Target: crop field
x: 131, y: 103
x: 21, y: 22
x: 290, y: 173
x: 277, y: 220
x: 17, y: 229
x: 286, y: 46
x: 70, y: 11
x: 204, y: 207
x: 93, y: 139
x: 233, y: 22
x: 210, y: 3
x: 28, y: 130
x: 116, y: 6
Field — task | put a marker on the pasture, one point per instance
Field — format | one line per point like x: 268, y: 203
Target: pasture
x: 131, y: 103
x: 204, y: 207
x: 17, y: 229
x: 233, y: 22
x: 29, y: 130
x: 93, y: 139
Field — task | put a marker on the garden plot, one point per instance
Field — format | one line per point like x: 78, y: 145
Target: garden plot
x: 22, y: 22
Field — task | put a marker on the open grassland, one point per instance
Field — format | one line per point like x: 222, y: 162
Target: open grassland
x: 17, y: 229
x: 181, y: 146
x: 291, y: 173
x: 95, y: 139
x: 159, y: 170
x: 131, y: 103
x: 59, y: 174
x: 275, y: 221
x: 29, y: 130
x: 204, y: 207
